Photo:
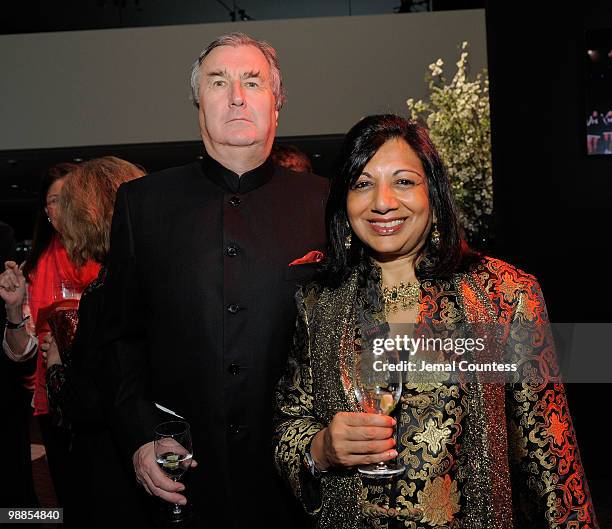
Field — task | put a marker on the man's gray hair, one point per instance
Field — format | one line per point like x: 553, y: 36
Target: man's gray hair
x: 235, y: 40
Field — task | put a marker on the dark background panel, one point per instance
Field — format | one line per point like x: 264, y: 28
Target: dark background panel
x: 66, y: 15
x: 36, y: 16
x: 552, y: 202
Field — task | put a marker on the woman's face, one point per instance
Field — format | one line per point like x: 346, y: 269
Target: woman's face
x: 388, y: 206
x: 52, y: 201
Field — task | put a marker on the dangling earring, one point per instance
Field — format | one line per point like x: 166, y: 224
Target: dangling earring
x: 435, y: 236
x: 348, y: 241
x: 349, y: 238
x: 49, y: 219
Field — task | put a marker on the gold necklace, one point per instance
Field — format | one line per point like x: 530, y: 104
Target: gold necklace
x: 403, y: 296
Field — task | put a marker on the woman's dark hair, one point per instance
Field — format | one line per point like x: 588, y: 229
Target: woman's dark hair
x: 360, y: 145
x: 43, y: 231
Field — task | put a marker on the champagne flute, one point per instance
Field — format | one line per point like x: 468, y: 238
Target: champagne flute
x: 378, y: 391
x: 173, y: 453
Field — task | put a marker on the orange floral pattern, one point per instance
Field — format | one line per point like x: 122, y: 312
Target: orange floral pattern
x: 439, y: 501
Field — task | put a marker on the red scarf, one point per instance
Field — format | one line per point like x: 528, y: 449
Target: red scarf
x: 53, y: 267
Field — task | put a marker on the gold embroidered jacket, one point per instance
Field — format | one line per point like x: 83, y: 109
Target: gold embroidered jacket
x: 477, y: 455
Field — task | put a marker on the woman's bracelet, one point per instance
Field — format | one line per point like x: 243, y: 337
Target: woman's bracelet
x: 11, y: 325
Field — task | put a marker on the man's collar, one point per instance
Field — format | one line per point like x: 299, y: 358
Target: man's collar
x: 229, y: 180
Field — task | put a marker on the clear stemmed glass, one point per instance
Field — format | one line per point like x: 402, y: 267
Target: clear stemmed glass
x: 378, y: 390
x: 65, y: 289
x: 173, y: 453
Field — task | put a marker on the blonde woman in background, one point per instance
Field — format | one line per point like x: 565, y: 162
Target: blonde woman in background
x: 100, y: 492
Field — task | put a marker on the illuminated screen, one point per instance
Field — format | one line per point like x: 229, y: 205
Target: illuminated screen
x: 598, y: 112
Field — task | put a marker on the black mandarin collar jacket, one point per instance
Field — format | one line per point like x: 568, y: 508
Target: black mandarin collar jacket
x: 225, y: 178
x: 199, y: 318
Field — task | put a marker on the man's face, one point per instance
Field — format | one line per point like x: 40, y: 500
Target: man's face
x: 237, y: 106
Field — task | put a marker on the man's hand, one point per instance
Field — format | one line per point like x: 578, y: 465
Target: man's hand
x: 353, y: 439
x: 12, y: 288
x: 153, y: 479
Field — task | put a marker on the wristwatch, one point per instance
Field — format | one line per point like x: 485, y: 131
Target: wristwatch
x: 312, y: 466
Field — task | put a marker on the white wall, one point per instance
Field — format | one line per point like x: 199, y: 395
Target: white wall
x: 121, y: 86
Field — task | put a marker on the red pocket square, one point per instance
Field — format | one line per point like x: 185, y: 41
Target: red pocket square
x: 313, y: 256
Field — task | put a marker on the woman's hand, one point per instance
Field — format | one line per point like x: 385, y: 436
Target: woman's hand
x: 353, y: 439
x: 49, y: 350
x: 12, y: 288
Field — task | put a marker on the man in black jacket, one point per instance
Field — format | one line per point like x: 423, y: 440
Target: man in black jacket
x: 200, y: 311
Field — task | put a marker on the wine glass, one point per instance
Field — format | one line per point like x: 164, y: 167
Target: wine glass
x: 378, y: 390
x: 62, y: 316
x: 65, y: 289
x: 173, y: 453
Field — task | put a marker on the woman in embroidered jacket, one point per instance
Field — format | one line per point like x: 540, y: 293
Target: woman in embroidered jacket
x: 477, y: 454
